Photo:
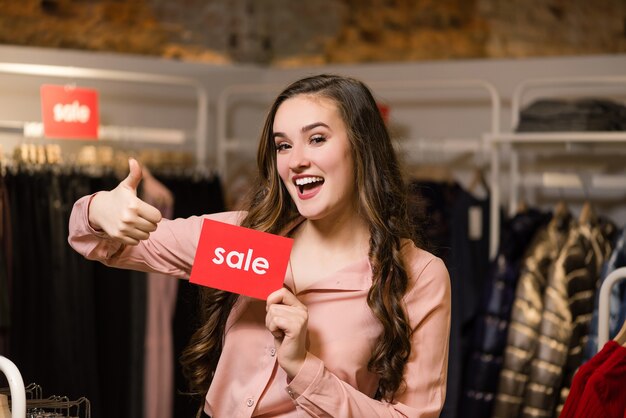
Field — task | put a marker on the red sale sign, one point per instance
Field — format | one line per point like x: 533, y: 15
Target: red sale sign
x: 240, y: 260
x: 69, y: 112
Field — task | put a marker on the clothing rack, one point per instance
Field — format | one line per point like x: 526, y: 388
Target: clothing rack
x: 611, y: 280
x: 564, y: 141
x: 118, y: 133
x: 20, y: 403
x: 33, y: 391
x: 227, y: 145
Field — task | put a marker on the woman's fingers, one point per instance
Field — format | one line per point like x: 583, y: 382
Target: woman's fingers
x: 121, y: 214
x: 148, y: 212
x: 276, y: 325
x: 285, y: 297
x: 287, y: 320
x: 285, y: 313
x: 132, y: 221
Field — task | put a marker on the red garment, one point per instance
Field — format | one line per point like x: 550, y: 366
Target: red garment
x: 605, y: 392
x: 582, y: 376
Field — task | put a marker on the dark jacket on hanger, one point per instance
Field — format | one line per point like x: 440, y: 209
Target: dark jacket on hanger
x: 489, y: 334
x: 526, y: 314
x: 568, y: 304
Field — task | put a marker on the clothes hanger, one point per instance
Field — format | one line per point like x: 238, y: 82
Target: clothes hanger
x: 560, y: 209
x: 586, y: 214
x: 478, y: 179
x: 522, y: 206
x: 620, y: 338
x: 4, y: 162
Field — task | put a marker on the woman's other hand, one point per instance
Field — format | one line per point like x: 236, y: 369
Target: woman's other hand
x: 121, y: 214
x: 287, y: 320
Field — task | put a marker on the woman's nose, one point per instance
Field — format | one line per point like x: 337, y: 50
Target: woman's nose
x: 298, y: 158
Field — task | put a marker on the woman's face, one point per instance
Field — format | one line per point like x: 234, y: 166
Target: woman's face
x: 313, y: 157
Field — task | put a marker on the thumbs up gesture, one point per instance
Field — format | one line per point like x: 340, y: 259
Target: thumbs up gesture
x: 121, y: 214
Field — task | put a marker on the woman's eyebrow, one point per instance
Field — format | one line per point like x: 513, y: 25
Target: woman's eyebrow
x: 313, y: 126
x: 305, y: 128
x: 278, y: 135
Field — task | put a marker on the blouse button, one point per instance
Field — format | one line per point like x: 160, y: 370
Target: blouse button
x: 273, y: 352
x: 290, y: 392
x: 250, y: 402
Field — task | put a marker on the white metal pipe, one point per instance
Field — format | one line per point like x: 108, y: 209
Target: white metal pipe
x: 560, y: 137
x: 16, y: 385
x: 494, y: 229
x: 604, y: 307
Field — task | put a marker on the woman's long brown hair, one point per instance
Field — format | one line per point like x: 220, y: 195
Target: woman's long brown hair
x: 383, y: 205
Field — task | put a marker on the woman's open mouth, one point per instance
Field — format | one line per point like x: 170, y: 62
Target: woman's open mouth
x: 308, y: 186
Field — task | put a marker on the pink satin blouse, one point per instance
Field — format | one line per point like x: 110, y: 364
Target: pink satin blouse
x: 334, y: 381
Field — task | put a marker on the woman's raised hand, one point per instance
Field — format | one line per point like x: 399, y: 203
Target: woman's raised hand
x: 121, y: 214
x: 287, y: 320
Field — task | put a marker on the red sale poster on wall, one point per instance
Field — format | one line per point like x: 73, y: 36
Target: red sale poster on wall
x: 69, y: 112
x: 240, y: 260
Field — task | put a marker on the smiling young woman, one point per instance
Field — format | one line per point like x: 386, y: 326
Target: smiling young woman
x: 314, y: 159
x: 361, y: 327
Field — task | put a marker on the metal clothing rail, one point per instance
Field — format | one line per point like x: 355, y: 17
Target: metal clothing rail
x: 226, y: 145
x: 19, y: 403
x: 539, y: 139
x: 604, y: 304
x: 201, y: 128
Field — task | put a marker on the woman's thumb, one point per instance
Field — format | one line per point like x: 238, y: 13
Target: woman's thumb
x: 134, y: 176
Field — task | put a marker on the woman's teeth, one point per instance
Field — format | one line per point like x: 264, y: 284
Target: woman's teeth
x: 303, y: 181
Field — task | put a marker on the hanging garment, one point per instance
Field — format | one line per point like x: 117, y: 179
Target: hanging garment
x: 468, y: 265
x: 568, y: 304
x: 52, y: 334
x: 159, y: 360
x: 5, y: 267
x: 526, y: 314
x: 193, y: 196
x: 598, y: 389
x: 582, y: 376
x: 489, y: 336
x: 430, y: 206
x: 120, y: 330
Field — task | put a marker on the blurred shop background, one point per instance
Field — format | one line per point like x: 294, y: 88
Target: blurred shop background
x: 509, y: 117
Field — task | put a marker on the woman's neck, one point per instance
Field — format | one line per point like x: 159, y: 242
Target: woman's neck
x: 323, y: 247
x: 339, y: 235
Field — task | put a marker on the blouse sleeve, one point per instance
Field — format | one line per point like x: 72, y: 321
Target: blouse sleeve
x: 169, y: 250
x: 319, y: 393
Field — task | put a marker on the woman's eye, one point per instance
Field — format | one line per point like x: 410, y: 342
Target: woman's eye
x: 316, y: 139
x: 282, y: 146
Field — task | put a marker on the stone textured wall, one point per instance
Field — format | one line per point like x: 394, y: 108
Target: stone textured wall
x: 294, y: 32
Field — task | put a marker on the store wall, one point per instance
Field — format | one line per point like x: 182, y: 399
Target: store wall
x: 297, y: 33
x: 415, y: 114
x: 121, y: 103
